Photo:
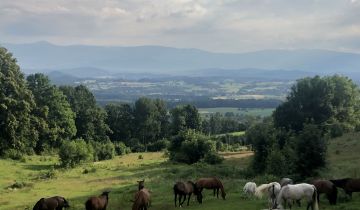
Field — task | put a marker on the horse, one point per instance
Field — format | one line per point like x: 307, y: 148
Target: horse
x: 297, y: 192
x: 348, y: 185
x: 211, y: 183
x: 142, y: 200
x: 285, y: 181
x: 272, y: 190
x: 328, y: 188
x: 186, y: 189
x: 141, y: 184
x: 249, y: 188
x: 53, y: 203
x: 98, y: 202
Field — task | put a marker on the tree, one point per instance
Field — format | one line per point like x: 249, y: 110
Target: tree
x: 90, y: 119
x: 185, y: 117
x: 310, y: 150
x: 120, y: 118
x: 17, y: 130
x: 54, y: 110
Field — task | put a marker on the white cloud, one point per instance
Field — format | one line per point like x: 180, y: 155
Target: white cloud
x: 221, y: 25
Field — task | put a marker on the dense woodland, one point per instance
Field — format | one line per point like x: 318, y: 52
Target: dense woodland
x: 39, y: 117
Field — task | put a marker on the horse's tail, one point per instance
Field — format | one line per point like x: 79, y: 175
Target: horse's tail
x: 315, y: 202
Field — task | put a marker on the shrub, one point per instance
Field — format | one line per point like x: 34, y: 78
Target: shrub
x: 121, y: 148
x: 140, y: 157
x: 190, y: 147
x: 103, y: 151
x: 91, y: 170
x: 13, y: 154
x: 213, y: 158
x: 158, y: 145
x: 74, y: 152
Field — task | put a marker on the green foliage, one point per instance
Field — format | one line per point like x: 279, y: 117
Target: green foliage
x: 121, y: 148
x: 310, y: 151
x: 158, y: 145
x: 17, y: 123
x: 56, y: 119
x: 276, y: 163
x: 74, y: 152
x: 185, y: 117
x: 190, y: 147
x: 120, y: 118
x: 90, y: 119
x: 103, y: 150
x: 213, y: 158
x: 13, y: 154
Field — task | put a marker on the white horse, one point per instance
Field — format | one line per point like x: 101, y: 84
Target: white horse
x: 250, y: 188
x: 296, y: 192
x: 271, y: 190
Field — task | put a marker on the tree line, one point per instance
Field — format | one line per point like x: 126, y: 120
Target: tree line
x: 38, y: 117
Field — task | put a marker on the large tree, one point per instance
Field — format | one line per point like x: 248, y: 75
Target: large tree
x: 90, y: 118
x: 53, y: 109
x: 185, y: 117
x: 17, y: 129
x: 120, y: 118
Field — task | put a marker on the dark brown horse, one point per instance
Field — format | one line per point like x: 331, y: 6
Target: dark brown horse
x: 211, y: 183
x: 328, y: 188
x: 98, y: 202
x: 142, y: 200
x: 186, y: 189
x: 349, y: 185
x: 53, y: 203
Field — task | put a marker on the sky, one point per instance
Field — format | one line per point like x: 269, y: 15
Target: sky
x: 213, y: 25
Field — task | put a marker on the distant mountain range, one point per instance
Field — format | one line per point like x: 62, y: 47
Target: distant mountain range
x: 100, y: 61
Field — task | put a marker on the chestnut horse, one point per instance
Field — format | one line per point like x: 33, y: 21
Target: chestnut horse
x: 98, y: 202
x: 349, y: 185
x: 142, y: 200
x: 328, y: 188
x: 211, y: 183
x: 53, y: 203
x: 186, y: 189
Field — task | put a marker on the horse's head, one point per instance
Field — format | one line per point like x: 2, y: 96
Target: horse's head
x: 223, y: 195
x: 141, y: 184
x: 106, y: 194
x: 199, y: 197
x: 66, y: 204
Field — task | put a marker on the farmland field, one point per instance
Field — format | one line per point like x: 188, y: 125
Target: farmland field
x: 39, y: 178
x: 249, y: 111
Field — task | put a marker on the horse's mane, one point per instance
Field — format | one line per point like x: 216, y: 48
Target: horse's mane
x: 261, y: 189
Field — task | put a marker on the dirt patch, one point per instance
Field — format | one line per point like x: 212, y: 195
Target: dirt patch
x: 236, y: 155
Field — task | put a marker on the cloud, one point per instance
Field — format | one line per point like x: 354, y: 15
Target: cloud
x: 221, y: 25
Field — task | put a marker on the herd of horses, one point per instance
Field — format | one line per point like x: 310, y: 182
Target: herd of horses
x: 281, y: 194
x: 286, y: 193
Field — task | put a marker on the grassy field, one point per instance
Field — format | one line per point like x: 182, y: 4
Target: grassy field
x: 121, y: 173
x: 251, y: 111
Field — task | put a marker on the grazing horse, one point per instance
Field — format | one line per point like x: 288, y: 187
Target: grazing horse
x: 53, y: 203
x: 296, y: 192
x: 211, y: 183
x: 328, y: 188
x: 142, y: 200
x: 285, y: 181
x: 186, y: 189
x: 98, y: 202
x: 141, y: 184
x: 272, y: 190
x: 249, y: 188
x: 348, y: 185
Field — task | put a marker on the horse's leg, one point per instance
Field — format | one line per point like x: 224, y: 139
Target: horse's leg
x: 189, y: 199
x: 175, y: 198
x: 217, y: 192
x: 180, y: 196
x: 214, y: 191
x: 182, y: 202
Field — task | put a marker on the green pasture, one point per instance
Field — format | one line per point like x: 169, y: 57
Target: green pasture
x: 242, y: 111
x: 41, y: 179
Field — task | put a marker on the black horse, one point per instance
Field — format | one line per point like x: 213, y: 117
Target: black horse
x: 349, y: 185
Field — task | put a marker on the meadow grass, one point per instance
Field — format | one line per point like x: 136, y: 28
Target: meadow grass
x: 121, y: 173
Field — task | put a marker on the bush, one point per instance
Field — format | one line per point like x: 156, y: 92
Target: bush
x: 91, y: 170
x: 103, y: 151
x: 190, y: 147
x: 13, y: 154
x: 74, y: 152
x: 158, y: 145
x: 121, y: 148
x: 136, y: 146
x: 213, y: 158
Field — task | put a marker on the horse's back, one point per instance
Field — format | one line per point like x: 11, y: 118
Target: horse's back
x: 323, y: 186
x: 353, y: 185
x: 208, y: 183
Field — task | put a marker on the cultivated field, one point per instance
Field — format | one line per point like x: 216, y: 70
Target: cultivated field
x: 120, y: 175
x: 249, y: 111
